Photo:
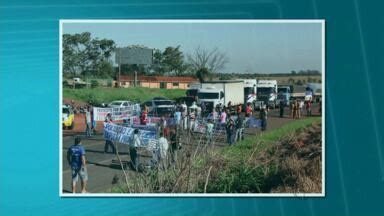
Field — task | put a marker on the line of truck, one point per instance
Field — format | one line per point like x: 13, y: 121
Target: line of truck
x: 231, y: 93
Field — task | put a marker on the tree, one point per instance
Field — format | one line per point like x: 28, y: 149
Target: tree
x: 157, y: 66
x: 202, y: 74
x: 75, y: 52
x: 173, y: 60
x: 84, y: 55
x: 208, y: 61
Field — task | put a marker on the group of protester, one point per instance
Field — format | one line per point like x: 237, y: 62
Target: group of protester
x: 169, y: 129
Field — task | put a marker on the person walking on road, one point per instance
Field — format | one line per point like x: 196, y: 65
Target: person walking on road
x: 263, y: 118
x: 88, y: 122
x: 178, y: 116
x: 281, y: 107
x: 77, y: 161
x: 301, y: 106
x: 174, y: 147
x: 248, y: 110
x: 184, y: 115
x: 143, y: 117
x: 109, y: 143
x: 230, y: 126
x: 308, y: 107
x: 163, y: 149
x: 296, y: 110
x: 209, y: 131
x: 239, y: 128
x: 292, y: 109
x: 136, y: 142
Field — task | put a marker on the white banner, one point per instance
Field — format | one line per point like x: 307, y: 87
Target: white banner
x: 124, y: 135
x: 118, y: 113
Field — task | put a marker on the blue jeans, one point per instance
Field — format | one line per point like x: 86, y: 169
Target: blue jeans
x: 239, y: 134
x: 263, y: 124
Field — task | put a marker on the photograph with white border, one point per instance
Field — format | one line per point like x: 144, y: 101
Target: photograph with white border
x: 192, y: 108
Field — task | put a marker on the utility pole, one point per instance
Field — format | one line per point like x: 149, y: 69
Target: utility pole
x: 118, y: 79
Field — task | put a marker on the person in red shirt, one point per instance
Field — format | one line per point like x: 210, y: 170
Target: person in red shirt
x: 143, y: 118
x: 248, y: 110
x: 239, y: 109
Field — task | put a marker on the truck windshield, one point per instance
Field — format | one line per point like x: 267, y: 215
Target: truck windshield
x: 208, y: 95
x: 65, y: 111
x: 282, y: 90
x: 191, y: 92
x: 163, y: 103
x: 248, y: 90
x: 264, y: 90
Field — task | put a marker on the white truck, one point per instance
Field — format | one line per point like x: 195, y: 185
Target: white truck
x: 250, y: 89
x: 227, y: 93
x: 267, y: 93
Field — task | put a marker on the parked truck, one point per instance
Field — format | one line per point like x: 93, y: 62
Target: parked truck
x: 267, y: 93
x: 250, y: 91
x: 192, y: 90
x: 221, y: 93
x: 284, y: 94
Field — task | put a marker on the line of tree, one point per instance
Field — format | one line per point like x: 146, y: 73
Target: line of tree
x: 87, y: 56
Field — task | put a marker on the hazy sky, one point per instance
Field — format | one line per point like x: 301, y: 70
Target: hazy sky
x: 250, y: 47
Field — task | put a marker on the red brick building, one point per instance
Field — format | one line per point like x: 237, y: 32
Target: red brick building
x: 165, y: 82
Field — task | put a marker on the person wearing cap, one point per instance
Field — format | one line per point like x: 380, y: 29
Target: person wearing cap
x: 77, y: 161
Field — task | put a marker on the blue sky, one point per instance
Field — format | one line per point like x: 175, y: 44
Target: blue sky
x: 250, y: 47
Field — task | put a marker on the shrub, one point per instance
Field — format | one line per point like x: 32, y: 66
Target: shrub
x: 94, y: 83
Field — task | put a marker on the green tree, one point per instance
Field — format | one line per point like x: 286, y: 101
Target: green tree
x: 86, y: 56
x: 157, y: 66
x: 173, y: 60
x: 202, y: 74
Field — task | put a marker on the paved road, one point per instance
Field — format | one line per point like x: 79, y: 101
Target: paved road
x: 101, y: 170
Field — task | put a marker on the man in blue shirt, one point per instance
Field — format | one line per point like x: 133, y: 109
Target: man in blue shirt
x: 76, y: 159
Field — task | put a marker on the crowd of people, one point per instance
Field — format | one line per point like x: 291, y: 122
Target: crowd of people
x: 170, y: 127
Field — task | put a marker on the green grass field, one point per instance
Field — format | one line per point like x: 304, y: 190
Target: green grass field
x: 106, y: 95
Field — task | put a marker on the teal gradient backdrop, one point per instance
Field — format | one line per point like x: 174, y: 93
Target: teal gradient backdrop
x: 29, y: 83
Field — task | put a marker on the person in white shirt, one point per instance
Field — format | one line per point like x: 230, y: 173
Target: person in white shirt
x: 136, y: 142
x: 163, y: 150
x: 184, y: 113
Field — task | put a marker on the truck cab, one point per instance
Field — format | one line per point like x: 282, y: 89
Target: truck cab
x: 228, y: 93
x: 267, y: 93
x: 284, y: 94
x: 250, y: 91
x: 211, y: 97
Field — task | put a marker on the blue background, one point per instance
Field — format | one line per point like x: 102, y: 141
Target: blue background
x: 29, y: 65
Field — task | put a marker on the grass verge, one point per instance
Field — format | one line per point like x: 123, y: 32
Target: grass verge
x: 106, y: 95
